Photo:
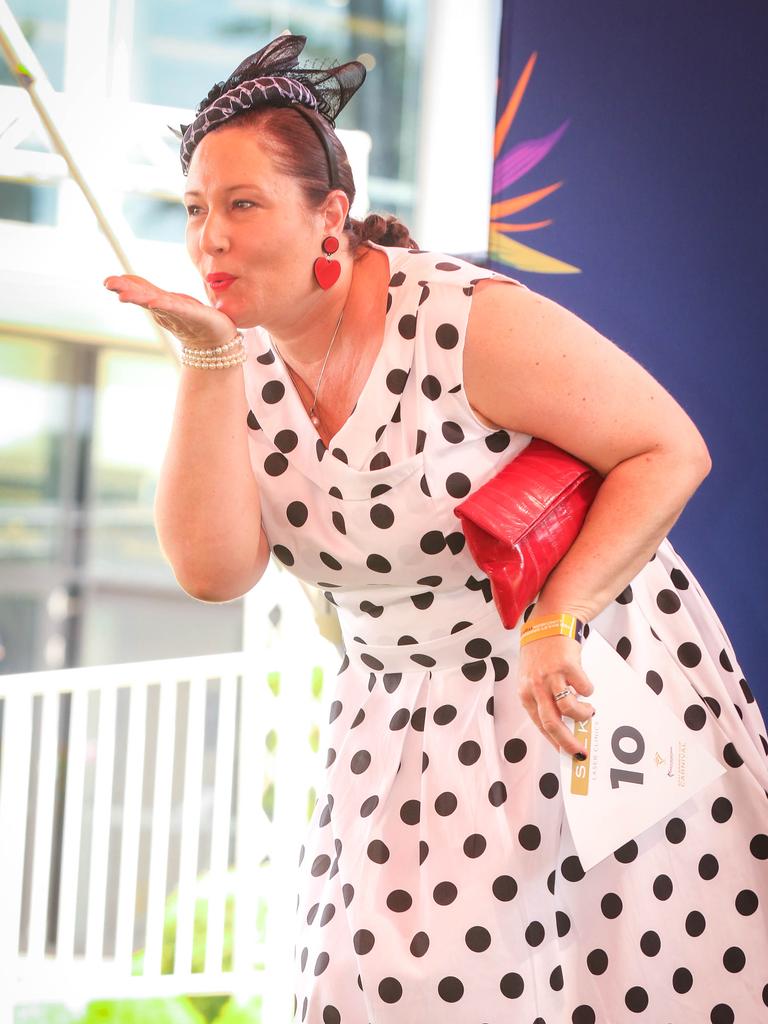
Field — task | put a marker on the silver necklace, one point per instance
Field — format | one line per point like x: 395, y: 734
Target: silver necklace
x: 312, y: 414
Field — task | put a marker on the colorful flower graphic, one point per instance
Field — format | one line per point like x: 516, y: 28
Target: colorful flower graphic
x: 510, y: 166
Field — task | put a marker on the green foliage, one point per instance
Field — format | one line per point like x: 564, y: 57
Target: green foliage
x: 317, y: 682
x: 178, y: 1010
x: 235, y: 1012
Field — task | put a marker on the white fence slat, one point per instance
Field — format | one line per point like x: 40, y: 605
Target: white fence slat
x: 131, y: 828
x: 295, y: 764
x: 222, y: 803
x: 101, y: 822
x: 255, y: 714
x: 14, y: 781
x: 190, y: 825
x: 73, y: 820
x: 161, y: 816
x: 41, y: 855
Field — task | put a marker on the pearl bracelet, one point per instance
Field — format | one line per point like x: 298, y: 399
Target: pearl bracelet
x: 214, y: 358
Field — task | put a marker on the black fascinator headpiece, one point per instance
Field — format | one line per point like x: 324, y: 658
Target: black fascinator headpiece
x: 271, y: 77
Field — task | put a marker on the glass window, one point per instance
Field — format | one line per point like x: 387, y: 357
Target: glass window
x: 135, y: 397
x: 42, y: 22
x: 30, y: 204
x: 182, y: 48
x: 35, y: 401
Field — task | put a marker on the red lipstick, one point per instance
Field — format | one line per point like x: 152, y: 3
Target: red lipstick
x: 220, y: 281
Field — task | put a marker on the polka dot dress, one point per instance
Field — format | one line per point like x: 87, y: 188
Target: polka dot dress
x: 439, y: 879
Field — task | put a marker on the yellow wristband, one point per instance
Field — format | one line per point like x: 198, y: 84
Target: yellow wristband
x: 540, y: 626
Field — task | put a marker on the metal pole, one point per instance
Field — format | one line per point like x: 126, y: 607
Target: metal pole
x: 12, y: 44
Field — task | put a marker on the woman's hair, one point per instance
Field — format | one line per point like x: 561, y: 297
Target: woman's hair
x: 297, y: 152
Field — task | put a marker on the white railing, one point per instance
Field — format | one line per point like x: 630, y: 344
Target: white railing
x: 132, y: 797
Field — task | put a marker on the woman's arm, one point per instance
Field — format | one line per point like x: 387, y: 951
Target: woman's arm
x: 532, y: 366
x: 207, y: 507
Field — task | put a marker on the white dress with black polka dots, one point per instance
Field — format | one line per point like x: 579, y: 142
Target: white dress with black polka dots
x: 439, y: 883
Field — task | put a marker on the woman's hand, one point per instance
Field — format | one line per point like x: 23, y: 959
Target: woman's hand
x: 192, y: 322
x: 548, y: 666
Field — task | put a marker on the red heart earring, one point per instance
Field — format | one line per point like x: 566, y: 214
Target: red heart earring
x: 327, y: 270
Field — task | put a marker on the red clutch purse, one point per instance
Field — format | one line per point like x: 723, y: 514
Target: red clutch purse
x: 521, y: 522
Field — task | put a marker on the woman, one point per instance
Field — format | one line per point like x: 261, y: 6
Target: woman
x: 381, y: 385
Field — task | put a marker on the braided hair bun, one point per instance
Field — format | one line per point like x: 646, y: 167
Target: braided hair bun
x: 384, y: 230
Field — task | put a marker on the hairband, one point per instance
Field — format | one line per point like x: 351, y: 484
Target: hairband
x: 271, y: 77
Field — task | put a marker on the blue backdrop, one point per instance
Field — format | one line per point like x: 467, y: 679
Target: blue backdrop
x: 650, y: 120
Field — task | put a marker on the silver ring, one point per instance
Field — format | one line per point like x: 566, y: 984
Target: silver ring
x: 563, y: 693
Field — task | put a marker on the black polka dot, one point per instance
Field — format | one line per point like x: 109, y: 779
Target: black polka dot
x: 563, y: 923
x: 282, y: 552
x: 407, y: 326
x: 722, y: 809
x: 534, y: 933
x: 695, y: 717
x: 297, y: 513
x: 689, y: 654
x: 549, y: 785
x: 556, y: 979
x: 379, y: 461
x: 636, y: 999
x: 458, y: 485
x: 340, y: 454
x: 679, y: 579
x: 497, y: 441
x: 275, y: 464
x: 675, y: 830
x: 758, y: 846
x: 396, y: 381
x: 450, y: 989
x: 430, y: 387
x: 654, y: 680
x: 515, y: 750
x: 251, y: 420
x: 732, y: 756
x: 695, y: 923
x: 477, y: 939
x: 390, y: 990
x: 512, y: 985
x: 650, y: 943
x: 597, y: 961
x: 662, y: 887
x: 504, y: 888
x: 530, y: 837
x: 338, y: 521
x: 583, y: 1014
x: 734, y: 959
x: 382, y: 516
x: 378, y: 563
x: 611, y: 905
x: 447, y: 336
x: 330, y: 561
x: 286, y: 440
x: 708, y: 867
x: 433, y: 542
x: 682, y: 980
x: 273, y: 391
x: 626, y: 596
x: 722, y: 1014
x: 452, y: 432
x: 397, y: 279
x: 746, y: 902
x: 266, y: 358
x: 572, y: 870
x: 626, y: 853
x: 447, y: 266
x: 624, y: 647
x: 668, y: 601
